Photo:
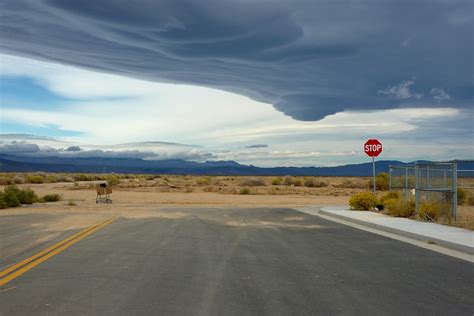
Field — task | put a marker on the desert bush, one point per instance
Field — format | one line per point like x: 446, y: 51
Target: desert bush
x: 313, y: 183
x: 470, y: 201
x: 203, y: 181
x: 17, y: 179
x: 149, y: 177
x: 209, y: 189
x: 71, y: 203
x: 462, y: 196
x: 252, y: 182
x: 188, y: 189
x: 51, y: 198
x: 298, y: 182
x: 35, y: 179
x: 363, y: 201
x: 429, y: 210
x: 293, y: 181
x: 348, y: 184
x: 51, y: 179
x: 3, y: 204
x: 244, y: 191
x: 399, y: 207
x: 113, y: 180
x: 288, y: 180
x: 81, y: 177
x: 11, y: 196
x: 27, y: 196
x: 277, y: 181
x: 390, y: 195
x: 6, y: 181
x: 381, y: 182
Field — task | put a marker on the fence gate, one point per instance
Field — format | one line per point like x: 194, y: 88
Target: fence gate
x: 430, y: 182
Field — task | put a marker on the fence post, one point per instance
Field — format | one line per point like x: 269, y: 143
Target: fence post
x: 454, y: 189
x: 390, y: 178
x: 417, y: 193
x: 406, y: 184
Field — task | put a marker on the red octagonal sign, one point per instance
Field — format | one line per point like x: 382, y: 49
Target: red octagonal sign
x: 373, y: 147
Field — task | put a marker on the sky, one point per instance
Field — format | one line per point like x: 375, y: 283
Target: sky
x: 268, y: 83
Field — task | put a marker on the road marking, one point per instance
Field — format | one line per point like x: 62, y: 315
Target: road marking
x: 18, y: 269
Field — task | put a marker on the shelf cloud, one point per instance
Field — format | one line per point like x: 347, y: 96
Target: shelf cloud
x: 310, y: 59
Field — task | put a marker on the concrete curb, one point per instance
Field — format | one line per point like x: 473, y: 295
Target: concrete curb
x: 444, y: 243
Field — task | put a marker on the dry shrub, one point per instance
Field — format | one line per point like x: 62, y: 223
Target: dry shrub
x: 390, y: 195
x: 348, y: 184
x: 291, y: 181
x: 244, y: 191
x: 202, y: 181
x: 36, y: 179
x: 51, y: 179
x: 113, y: 180
x: 51, y: 198
x: 188, y: 189
x: 6, y: 181
x: 252, y: 182
x: 363, y: 201
x: 277, y: 181
x: 399, y: 207
x: 382, y: 181
x: 313, y: 183
x: 17, y: 179
x: 209, y: 189
x: 429, y: 210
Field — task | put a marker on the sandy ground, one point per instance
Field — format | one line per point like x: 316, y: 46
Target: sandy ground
x: 148, y: 199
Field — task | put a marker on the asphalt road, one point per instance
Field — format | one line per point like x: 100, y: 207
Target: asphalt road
x: 241, y: 262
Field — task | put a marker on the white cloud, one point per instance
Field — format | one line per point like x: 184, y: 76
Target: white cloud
x: 439, y: 94
x: 402, y: 91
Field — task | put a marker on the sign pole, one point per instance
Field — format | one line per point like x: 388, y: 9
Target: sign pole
x: 373, y: 171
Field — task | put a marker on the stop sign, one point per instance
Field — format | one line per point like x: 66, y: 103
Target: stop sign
x: 373, y: 147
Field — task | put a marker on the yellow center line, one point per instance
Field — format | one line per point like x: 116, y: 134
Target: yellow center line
x: 47, y: 253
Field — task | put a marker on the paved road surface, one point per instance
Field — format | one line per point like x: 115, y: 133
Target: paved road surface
x: 241, y: 262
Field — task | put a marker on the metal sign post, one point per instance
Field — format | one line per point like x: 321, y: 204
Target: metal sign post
x: 373, y: 171
x: 373, y: 147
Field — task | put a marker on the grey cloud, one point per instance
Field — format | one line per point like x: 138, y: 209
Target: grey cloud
x: 34, y: 150
x: 309, y: 59
x: 15, y: 147
x: 257, y: 146
x: 73, y: 148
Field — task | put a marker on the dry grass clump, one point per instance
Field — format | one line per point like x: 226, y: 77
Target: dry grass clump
x: 291, y: 181
x: 203, y: 181
x: 252, y: 182
x: 6, y: 181
x: 314, y: 183
x: 51, y: 198
x: 348, y: 184
x: 244, y: 191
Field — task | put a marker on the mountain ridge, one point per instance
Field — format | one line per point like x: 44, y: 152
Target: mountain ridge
x: 13, y: 163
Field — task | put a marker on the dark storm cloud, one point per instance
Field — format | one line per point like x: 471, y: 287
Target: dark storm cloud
x: 308, y: 58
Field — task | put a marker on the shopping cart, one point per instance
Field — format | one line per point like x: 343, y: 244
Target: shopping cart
x: 103, y: 193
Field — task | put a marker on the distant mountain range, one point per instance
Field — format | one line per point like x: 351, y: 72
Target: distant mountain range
x: 13, y: 163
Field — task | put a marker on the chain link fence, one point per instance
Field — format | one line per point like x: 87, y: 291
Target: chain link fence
x: 428, y: 182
